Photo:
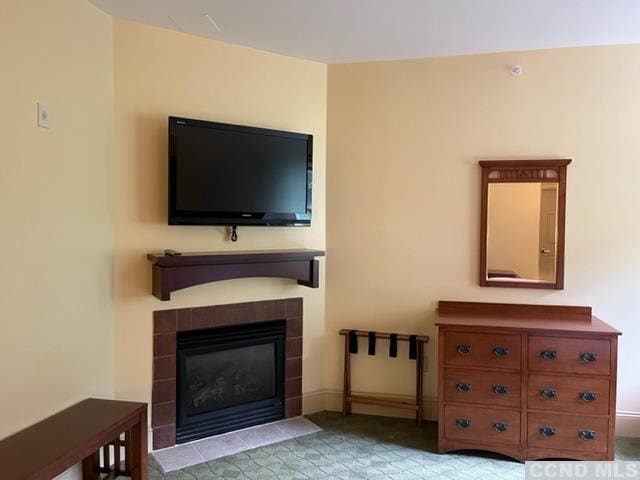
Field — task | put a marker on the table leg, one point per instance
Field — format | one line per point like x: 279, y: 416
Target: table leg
x: 127, y: 452
x: 116, y: 456
x: 91, y: 467
x: 139, y: 467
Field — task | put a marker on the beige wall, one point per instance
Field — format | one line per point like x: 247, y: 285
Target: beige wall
x: 159, y: 73
x: 403, y: 189
x: 57, y: 344
x: 513, y: 233
x: 403, y: 194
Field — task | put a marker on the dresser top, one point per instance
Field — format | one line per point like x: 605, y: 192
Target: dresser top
x: 522, y: 317
x: 595, y: 325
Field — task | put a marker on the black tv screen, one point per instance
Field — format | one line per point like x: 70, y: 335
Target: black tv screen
x: 222, y: 174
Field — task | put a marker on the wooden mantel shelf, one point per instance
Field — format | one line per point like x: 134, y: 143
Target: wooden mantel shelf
x: 175, y: 272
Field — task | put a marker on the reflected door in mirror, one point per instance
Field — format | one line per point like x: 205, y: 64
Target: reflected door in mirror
x: 548, y: 232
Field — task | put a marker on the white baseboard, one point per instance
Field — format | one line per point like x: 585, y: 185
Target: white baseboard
x: 627, y: 422
x: 313, y: 402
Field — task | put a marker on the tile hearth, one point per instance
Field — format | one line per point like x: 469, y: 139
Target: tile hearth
x: 188, y: 454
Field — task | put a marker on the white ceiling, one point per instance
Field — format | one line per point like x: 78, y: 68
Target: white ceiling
x: 336, y: 31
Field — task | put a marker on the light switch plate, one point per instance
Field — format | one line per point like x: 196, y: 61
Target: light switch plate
x: 43, y: 115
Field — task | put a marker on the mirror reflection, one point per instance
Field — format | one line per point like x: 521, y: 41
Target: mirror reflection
x: 522, y: 231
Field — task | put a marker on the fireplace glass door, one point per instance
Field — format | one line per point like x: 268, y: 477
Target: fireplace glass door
x: 229, y: 378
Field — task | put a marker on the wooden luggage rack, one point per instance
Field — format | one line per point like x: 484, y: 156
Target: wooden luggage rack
x: 348, y: 399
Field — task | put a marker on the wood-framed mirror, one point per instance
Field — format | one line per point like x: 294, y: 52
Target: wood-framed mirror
x: 522, y: 223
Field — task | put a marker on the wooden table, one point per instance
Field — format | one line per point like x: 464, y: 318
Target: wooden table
x: 74, y: 435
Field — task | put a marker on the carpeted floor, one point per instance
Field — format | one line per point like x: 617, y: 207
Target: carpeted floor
x: 362, y: 447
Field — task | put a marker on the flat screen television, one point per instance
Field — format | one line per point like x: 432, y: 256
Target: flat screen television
x: 222, y: 174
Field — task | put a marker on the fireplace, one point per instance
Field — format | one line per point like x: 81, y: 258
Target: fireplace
x: 186, y: 340
x: 229, y: 378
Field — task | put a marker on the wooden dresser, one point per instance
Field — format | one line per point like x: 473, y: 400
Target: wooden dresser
x: 527, y: 381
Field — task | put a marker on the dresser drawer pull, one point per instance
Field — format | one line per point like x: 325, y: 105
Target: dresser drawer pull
x: 589, y: 396
x: 500, y: 389
x: 463, y: 422
x: 463, y: 349
x: 587, y: 435
x: 548, y: 431
x: 500, y: 427
x: 463, y: 386
x: 589, y: 357
x: 501, y: 352
x: 548, y: 354
x: 548, y: 393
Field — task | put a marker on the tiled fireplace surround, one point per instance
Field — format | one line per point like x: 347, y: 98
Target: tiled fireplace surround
x: 166, y: 324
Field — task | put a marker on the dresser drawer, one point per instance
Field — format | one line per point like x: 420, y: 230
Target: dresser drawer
x: 482, y: 350
x: 484, y: 387
x: 563, y: 393
x: 567, y: 432
x: 482, y: 424
x: 569, y: 355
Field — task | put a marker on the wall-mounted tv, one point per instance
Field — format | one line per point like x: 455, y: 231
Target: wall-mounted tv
x: 222, y: 174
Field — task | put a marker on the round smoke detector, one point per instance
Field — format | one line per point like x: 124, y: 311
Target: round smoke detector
x: 516, y: 70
